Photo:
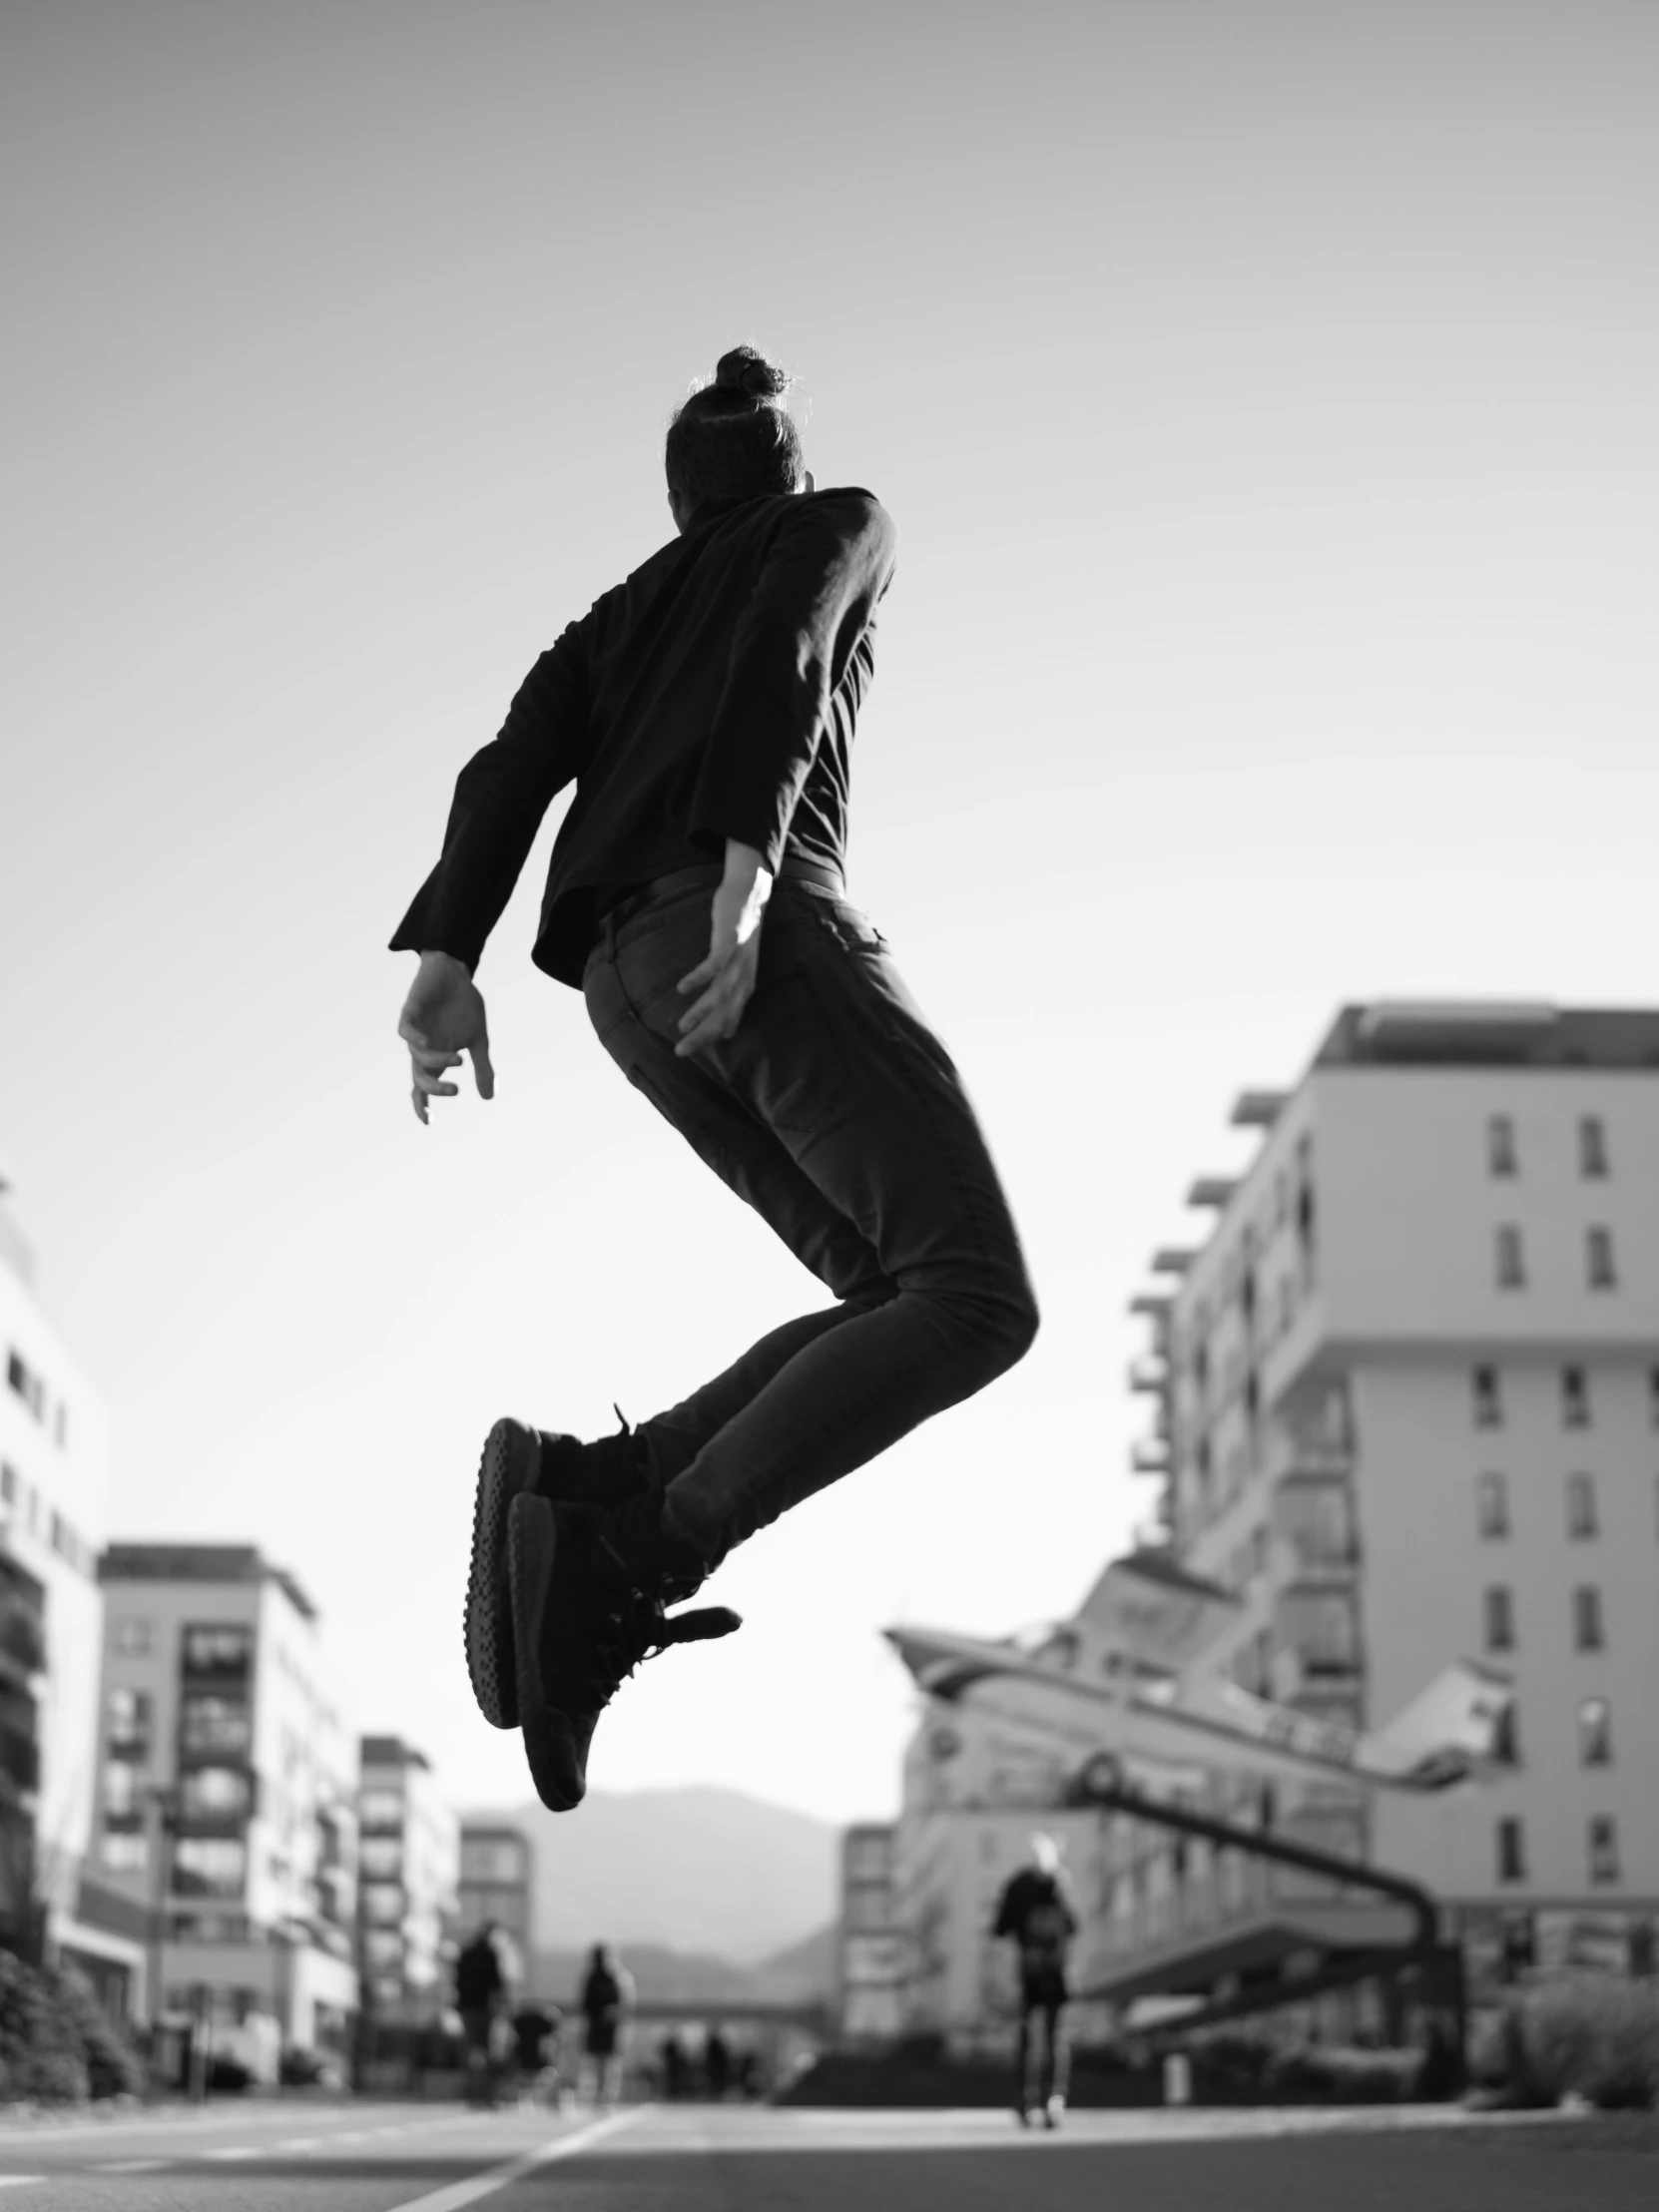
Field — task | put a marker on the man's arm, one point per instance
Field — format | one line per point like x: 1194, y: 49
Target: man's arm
x: 829, y: 564
x: 500, y: 797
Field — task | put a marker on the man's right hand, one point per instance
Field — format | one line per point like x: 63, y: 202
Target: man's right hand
x: 443, y: 1016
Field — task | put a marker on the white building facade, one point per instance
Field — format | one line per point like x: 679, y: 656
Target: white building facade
x: 227, y: 1797
x: 53, y: 1447
x: 1408, y: 1411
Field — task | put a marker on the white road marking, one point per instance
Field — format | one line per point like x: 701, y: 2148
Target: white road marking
x: 18, y: 2181
x: 462, y: 2193
x: 131, y: 2165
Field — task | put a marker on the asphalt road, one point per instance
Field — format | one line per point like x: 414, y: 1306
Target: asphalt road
x: 403, y: 2158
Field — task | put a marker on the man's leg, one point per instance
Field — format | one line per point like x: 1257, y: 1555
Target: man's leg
x: 837, y: 1113
x: 1022, y: 2061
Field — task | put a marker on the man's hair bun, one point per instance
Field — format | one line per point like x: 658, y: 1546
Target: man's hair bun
x: 743, y: 369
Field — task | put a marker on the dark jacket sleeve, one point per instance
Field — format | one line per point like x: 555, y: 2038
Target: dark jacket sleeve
x: 1008, y: 1915
x: 500, y: 797
x: 828, y: 565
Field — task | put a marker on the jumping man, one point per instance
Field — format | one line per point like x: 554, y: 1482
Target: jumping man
x: 705, y: 712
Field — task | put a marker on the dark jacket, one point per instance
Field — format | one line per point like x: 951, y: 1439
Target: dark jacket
x: 1036, y: 1912
x: 478, y: 1976
x: 713, y: 695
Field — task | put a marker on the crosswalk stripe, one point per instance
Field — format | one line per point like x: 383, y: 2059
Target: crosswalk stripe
x: 462, y: 2193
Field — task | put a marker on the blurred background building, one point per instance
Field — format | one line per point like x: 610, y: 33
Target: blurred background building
x: 53, y: 1471
x: 497, y: 1883
x: 409, y: 1866
x: 227, y: 1797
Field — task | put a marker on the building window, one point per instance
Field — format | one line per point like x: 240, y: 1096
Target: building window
x: 208, y: 1865
x: 120, y: 1787
x: 219, y: 1649
x: 26, y: 1384
x: 1491, y: 1496
x: 8, y: 1473
x: 383, y: 1903
x: 1598, y: 1259
x: 380, y: 1809
x: 1489, y: 1399
x: 1653, y: 1396
x: 132, y: 1637
x: 215, y: 1793
x: 1575, y: 1398
x: 380, y: 1857
x: 124, y: 1851
x: 1581, y: 1505
x: 1595, y: 1733
x: 1511, y: 1261
x: 1500, y: 1145
x: 1604, y: 1849
x: 1499, y: 1607
x: 1511, y: 1851
x: 215, y: 1725
x: 1593, y: 1147
x: 1589, y: 1628
x: 129, y: 1719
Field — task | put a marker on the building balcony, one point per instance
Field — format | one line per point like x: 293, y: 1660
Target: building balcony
x: 1149, y: 1374
x: 1258, y: 1109
x: 1150, y: 1456
x: 1173, y: 1259
x: 1212, y: 1190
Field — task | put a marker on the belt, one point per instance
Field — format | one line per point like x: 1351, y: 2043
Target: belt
x: 631, y: 901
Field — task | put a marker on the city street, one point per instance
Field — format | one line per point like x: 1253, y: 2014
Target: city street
x: 655, y: 2159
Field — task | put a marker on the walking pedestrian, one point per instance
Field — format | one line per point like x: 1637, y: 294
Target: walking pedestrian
x: 480, y: 1985
x: 607, y: 2000
x: 705, y: 710
x: 1036, y: 1912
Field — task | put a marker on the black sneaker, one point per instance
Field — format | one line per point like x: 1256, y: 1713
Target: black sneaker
x: 517, y: 1459
x: 577, y: 1636
x: 509, y: 1466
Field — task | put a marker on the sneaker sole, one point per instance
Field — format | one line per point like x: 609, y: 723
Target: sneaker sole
x: 531, y: 1544
x: 509, y: 1464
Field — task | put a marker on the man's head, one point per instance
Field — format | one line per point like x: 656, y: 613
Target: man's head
x: 1046, y: 1853
x: 733, y: 438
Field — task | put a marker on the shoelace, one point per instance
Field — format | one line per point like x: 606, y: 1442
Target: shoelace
x: 639, y: 1630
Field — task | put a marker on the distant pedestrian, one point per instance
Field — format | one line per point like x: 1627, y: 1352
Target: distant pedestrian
x: 607, y: 2000
x: 704, y: 710
x: 717, y: 2063
x: 533, y: 2028
x: 480, y: 1987
x: 1037, y: 1913
x: 675, y: 2064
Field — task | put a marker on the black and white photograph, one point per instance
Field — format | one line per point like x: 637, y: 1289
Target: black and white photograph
x: 830, y: 1106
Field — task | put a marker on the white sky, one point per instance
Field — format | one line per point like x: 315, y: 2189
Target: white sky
x: 1264, y: 399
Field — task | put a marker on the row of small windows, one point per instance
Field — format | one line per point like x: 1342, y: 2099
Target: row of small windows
x: 27, y: 1383
x: 1582, y: 1513
x: 1486, y: 1390
x: 1509, y: 1259
x: 1503, y: 1153
x: 46, y: 1522
x: 1587, y: 1620
x: 1601, y: 1841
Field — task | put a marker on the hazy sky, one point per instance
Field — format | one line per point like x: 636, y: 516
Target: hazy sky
x: 1263, y: 395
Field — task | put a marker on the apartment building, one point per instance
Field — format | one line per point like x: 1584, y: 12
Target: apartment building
x: 227, y: 1796
x: 408, y: 1869
x: 497, y: 1883
x: 53, y: 1474
x: 1407, y: 1409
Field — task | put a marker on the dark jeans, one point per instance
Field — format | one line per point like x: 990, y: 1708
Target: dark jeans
x: 1041, y: 2039
x: 838, y: 1114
